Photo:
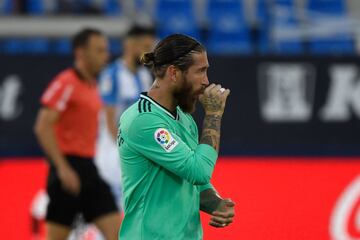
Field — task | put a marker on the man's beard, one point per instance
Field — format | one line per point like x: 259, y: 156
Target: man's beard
x: 186, y: 97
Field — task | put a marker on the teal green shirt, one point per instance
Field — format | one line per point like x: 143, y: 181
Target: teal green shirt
x: 164, y: 168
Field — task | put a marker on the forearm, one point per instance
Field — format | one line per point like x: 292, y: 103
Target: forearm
x: 211, y: 130
x: 47, y: 140
x: 209, y: 200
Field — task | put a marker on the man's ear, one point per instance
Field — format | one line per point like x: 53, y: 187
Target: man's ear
x: 173, y: 73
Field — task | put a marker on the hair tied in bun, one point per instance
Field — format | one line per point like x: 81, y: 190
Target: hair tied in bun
x: 148, y: 59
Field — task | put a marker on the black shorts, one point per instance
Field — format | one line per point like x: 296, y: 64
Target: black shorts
x: 95, y: 198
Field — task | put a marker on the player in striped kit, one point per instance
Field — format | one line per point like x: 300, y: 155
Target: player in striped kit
x: 120, y: 85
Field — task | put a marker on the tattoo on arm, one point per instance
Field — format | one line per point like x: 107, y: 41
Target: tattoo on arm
x: 211, y: 131
x: 209, y: 201
x: 212, y: 103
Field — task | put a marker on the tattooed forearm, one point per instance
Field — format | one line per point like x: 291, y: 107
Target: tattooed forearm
x: 212, y: 121
x: 211, y: 131
x: 212, y: 104
x: 210, y: 138
x: 209, y: 201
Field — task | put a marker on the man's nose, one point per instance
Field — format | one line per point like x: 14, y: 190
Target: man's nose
x: 205, y: 81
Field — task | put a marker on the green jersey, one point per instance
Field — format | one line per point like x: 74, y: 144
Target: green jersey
x: 164, y: 169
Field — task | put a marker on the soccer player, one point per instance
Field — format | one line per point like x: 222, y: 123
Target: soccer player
x: 66, y: 127
x: 166, y: 171
x: 120, y: 85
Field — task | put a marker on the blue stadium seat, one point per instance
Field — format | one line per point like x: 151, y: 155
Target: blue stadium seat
x: 318, y: 13
x: 327, y: 6
x: 165, y: 5
x: 37, y: 46
x: 334, y: 45
x: 262, y: 12
x: 112, y: 7
x: 176, y: 16
x: 26, y: 46
x: 6, y: 7
x: 40, y: 7
x: 140, y: 3
x: 229, y: 32
x: 115, y: 46
x: 13, y: 46
x: 62, y: 46
x: 263, y: 28
x: 35, y: 7
x: 263, y: 40
x: 288, y: 3
x: 286, y: 20
x: 288, y: 45
x: 230, y: 35
x: 224, y: 5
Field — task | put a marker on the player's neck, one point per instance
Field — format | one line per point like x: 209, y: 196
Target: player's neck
x: 163, y: 96
x: 86, y: 75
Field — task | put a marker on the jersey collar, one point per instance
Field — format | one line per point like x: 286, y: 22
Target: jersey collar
x: 162, y: 108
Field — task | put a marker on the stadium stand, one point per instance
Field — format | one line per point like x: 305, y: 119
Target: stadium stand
x: 280, y: 27
x: 285, y: 19
x: 323, y: 13
x: 176, y: 16
x: 229, y: 32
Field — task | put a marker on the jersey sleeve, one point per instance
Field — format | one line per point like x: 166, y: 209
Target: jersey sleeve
x: 153, y: 138
x: 205, y: 186
x: 58, y: 94
x: 108, y: 86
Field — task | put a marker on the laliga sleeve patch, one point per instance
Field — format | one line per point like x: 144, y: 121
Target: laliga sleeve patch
x: 165, y: 140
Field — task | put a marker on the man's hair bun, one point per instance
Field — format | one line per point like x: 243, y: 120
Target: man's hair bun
x: 148, y: 59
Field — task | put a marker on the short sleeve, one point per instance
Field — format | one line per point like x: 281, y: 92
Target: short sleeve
x: 108, y: 86
x: 58, y: 94
x: 153, y: 138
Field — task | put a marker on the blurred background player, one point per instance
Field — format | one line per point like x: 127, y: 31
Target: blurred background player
x: 66, y: 128
x: 120, y: 85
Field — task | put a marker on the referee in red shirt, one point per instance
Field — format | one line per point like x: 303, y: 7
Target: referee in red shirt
x: 66, y: 128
